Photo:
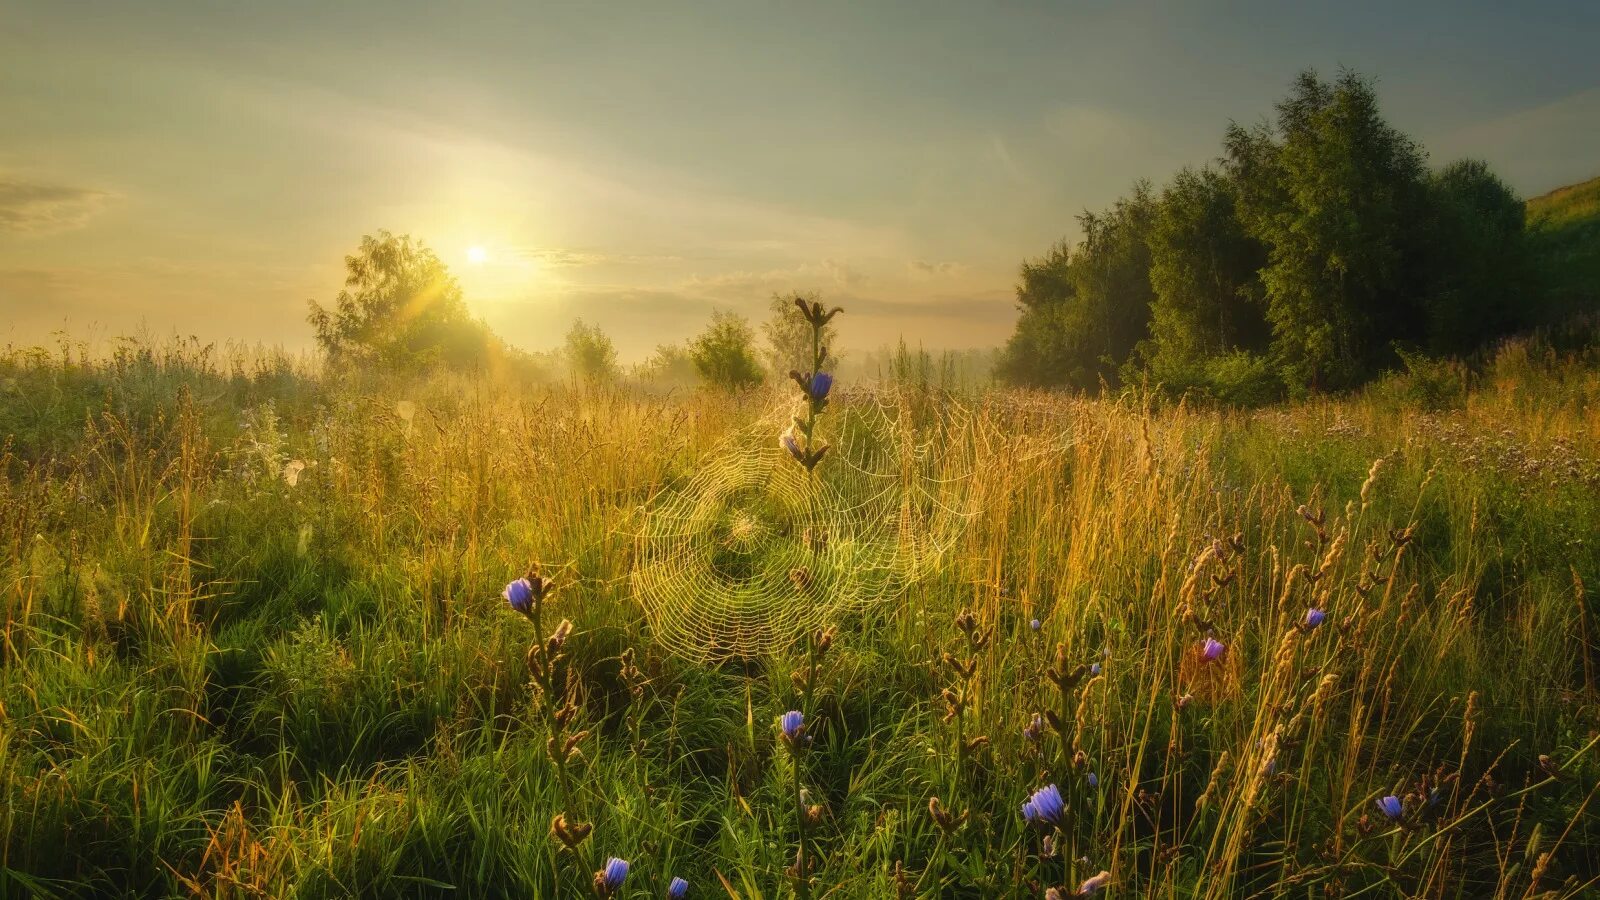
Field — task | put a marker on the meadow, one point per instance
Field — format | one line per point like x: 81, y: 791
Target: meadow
x: 257, y: 639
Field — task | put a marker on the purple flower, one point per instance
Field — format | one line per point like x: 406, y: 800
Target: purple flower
x: 519, y: 594
x: 1034, y: 729
x: 821, y: 383
x: 1035, y: 624
x: 1211, y: 649
x: 1094, y: 883
x: 1094, y: 780
x: 1390, y: 806
x: 678, y: 889
x: 1314, y: 617
x: 792, y: 444
x: 1045, y: 807
x: 793, y: 724
x: 1094, y: 669
x: 616, y: 872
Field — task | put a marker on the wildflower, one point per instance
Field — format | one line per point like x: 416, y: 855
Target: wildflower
x: 1211, y: 649
x: 678, y: 889
x: 1094, y: 883
x: 1094, y: 780
x: 1045, y: 807
x: 609, y: 880
x: 1314, y: 617
x: 793, y: 724
x: 1391, y: 807
x: 1094, y: 669
x: 1034, y: 729
x: 792, y: 444
x: 1034, y: 624
x: 821, y: 383
x: 519, y: 594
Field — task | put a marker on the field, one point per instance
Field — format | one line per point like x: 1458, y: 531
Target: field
x: 255, y: 642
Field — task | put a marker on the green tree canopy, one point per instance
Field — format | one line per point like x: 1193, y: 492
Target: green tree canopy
x: 400, y: 308
x: 1337, y: 196
x: 590, y: 353
x: 724, y: 354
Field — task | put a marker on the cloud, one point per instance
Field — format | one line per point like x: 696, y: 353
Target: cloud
x: 567, y: 258
x: 832, y: 274
x: 38, y: 208
x: 923, y: 269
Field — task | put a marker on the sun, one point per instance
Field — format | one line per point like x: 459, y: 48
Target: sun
x: 477, y: 255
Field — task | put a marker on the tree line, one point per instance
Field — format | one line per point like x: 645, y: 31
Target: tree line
x: 402, y: 311
x: 1318, y: 251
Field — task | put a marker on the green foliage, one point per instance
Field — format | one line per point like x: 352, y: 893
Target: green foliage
x: 1337, y: 196
x: 1322, y: 246
x: 1084, y: 309
x: 1565, y: 234
x: 669, y: 366
x: 216, y: 682
x: 400, y: 309
x: 724, y: 354
x: 589, y: 353
x: 1203, y: 272
x: 1479, y: 283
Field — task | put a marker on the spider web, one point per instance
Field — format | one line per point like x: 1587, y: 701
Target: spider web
x: 751, y: 553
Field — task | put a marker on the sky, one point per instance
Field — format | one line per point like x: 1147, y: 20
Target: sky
x: 176, y: 168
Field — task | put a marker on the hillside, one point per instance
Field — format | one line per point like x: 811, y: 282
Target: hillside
x: 1573, y: 206
x: 1565, y: 225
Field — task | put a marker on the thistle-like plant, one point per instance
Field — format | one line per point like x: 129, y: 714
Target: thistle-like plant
x: 792, y: 733
x: 557, y: 706
x: 800, y: 440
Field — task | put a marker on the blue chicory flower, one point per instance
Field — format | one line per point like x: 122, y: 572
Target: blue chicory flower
x: 678, y: 889
x: 1390, y: 806
x: 821, y: 383
x: 793, y: 724
x: 1035, y: 624
x: 1314, y: 617
x: 519, y: 594
x: 1212, y: 649
x: 1094, y: 780
x: 616, y: 872
x: 1094, y: 669
x: 1045, y: 807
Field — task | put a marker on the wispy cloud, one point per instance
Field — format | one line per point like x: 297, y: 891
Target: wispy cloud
x: 923, y: 269
x: 38, y: 208
x: 831, y: 274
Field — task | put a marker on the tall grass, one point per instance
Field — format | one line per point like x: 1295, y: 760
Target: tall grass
x: 253, y: 645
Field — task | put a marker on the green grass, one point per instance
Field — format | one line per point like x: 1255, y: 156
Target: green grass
x: 1565, y: 228
x: 217, y: 683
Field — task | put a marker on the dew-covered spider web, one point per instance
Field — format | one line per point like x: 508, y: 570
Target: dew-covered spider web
x: 750, y: 553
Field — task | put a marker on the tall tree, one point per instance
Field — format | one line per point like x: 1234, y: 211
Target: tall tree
x: 1480, y: 285
x: 1337, y: 195
x: 400, y: 308
x: 1085, y: 308
x: 1203, y: 271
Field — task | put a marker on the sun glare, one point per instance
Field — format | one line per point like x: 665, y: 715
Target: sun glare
x: 477, y: 255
